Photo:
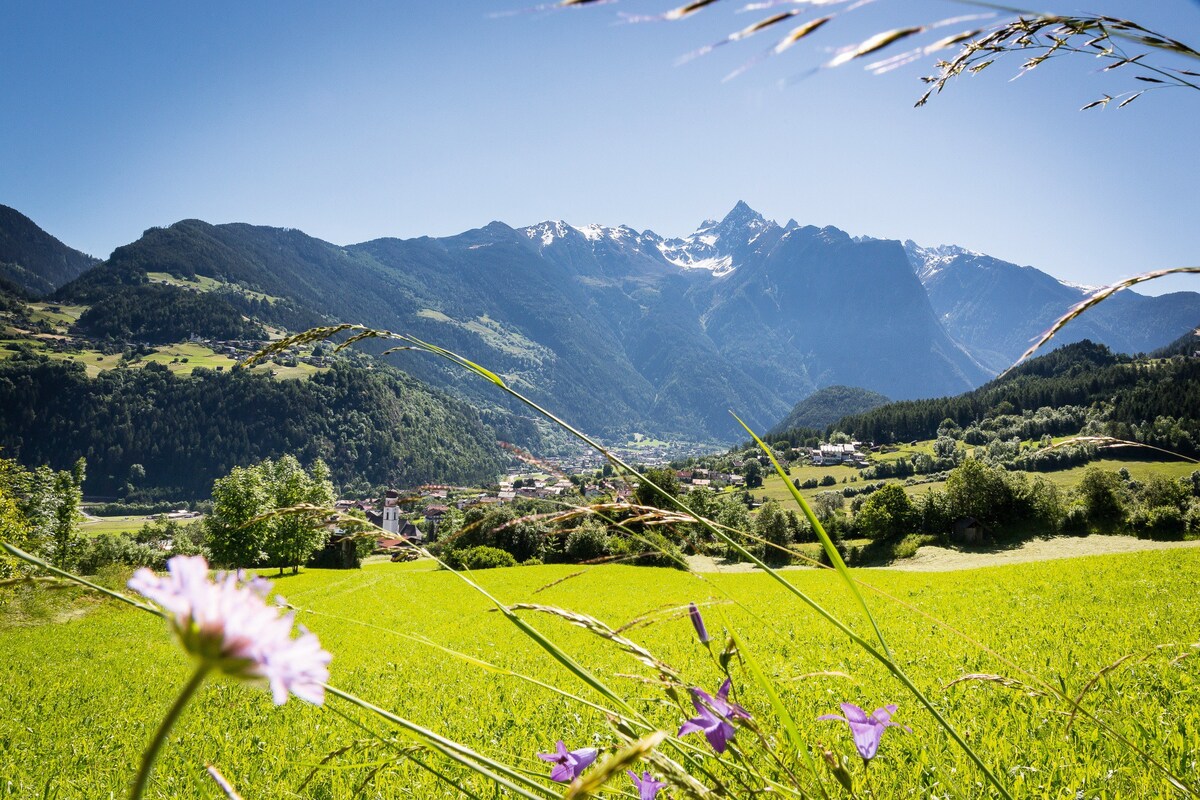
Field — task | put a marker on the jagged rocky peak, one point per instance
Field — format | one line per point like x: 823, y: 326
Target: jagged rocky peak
x: 718, y: 246
x: 550, y: 231
x: 928, y: 261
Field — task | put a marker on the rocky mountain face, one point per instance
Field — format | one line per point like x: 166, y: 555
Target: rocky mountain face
x: 31, y: 260
x: 620, y: 330
x: 996, y: 309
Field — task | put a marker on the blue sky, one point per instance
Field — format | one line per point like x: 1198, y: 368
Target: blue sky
x: 360, y: 120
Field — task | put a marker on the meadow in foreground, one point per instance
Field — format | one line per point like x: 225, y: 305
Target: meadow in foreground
x: 82, y: 697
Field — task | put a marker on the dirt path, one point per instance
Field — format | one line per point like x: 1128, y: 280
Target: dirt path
x: 943, y: 559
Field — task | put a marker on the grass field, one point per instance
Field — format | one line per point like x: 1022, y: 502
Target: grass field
x: 98, y: 525
x: 61, y: 316
x: 774, y: 488
x: 203, y: 283
x: 180, y: 358
x: 82, y: 696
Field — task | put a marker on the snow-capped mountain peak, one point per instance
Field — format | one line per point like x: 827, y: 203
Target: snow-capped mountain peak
x: 717, y: 246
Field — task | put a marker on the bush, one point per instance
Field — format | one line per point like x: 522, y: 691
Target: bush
x: 108, y: 549
x: 648, y: 549
x: 481, y: 557
x: 587, y: 543
x: 1160, y: 522
x: 908, y: 546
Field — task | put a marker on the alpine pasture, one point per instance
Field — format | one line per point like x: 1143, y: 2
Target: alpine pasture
x: 87, y: 680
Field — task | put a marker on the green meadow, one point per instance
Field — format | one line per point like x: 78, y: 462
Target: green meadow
x: 86, y: 681
x: 774, y: 488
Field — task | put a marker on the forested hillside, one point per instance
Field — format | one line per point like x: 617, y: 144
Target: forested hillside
x: 159, y: 314
x: 826, y: 406
x: 1134, y: 397
x: 150, y: 433
x: 32, y: 259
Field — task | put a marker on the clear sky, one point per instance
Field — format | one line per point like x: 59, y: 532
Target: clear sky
x: 353, y: 121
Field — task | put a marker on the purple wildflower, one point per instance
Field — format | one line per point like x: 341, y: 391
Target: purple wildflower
x: 227, y: 624
x: 715, y: 715
x: 698, y: 623
x: 568, y: 765
x: 647, y: 787
x: 867, y: 731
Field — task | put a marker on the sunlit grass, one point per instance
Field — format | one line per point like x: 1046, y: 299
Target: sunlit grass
x: 82, y: 696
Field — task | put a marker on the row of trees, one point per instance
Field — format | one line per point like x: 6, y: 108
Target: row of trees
x: 39, y: 513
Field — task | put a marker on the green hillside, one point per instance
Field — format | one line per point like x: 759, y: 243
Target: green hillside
x: 1148, y: 399
x: 826, y: 406
x: 372, y: 426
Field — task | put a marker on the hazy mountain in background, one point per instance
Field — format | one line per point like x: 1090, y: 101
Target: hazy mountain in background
x: 826, y: 406
x: 997, y: 309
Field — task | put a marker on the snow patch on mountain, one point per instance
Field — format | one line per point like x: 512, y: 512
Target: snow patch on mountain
x: 929, y: 261
x: 549, y: 231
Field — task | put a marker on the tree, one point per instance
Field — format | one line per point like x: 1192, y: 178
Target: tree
x: 294, y: 538
x: 238, y: 498
x: 826, y: 505
x: 14, y: 526
x: 976, y: 490
x: 887, y: 514
x: 1162, y: 491
x: 754, y: 474
x: 68, y: 492
x: 1103, y: 497
x: 286, y: 540
x: 771, y: 525
x: 734, y: 520
x: 664, y: 479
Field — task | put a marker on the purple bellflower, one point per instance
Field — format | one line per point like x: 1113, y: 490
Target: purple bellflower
x: 867, y: 731
x: 647, y: 787
x: 715, y: 715
x: 568, y: 765
x: 698, y: 623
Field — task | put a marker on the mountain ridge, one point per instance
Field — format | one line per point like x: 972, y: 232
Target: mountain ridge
x: 620, y: 330
x: 32, y: 259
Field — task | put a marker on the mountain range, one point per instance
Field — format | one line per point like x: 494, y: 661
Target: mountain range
x: 620, y: 330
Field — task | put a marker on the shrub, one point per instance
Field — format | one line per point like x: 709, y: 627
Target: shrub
x: 908, y: 546
x: 648, y: 549
x: 481, y: 557
x: 108, y: 549
x: 1160, y: 522
x: 588, y: 542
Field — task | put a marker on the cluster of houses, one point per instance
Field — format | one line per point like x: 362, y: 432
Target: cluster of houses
x: 707, y: 479
x: 828, y: 454
x: 176, y: 515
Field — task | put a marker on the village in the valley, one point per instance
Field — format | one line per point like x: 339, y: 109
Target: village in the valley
x: 412, y: 516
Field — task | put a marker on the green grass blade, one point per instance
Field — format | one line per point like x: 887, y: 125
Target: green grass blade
x: 495, y: 771
x: 781, y: 711
x: 834, y: 556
